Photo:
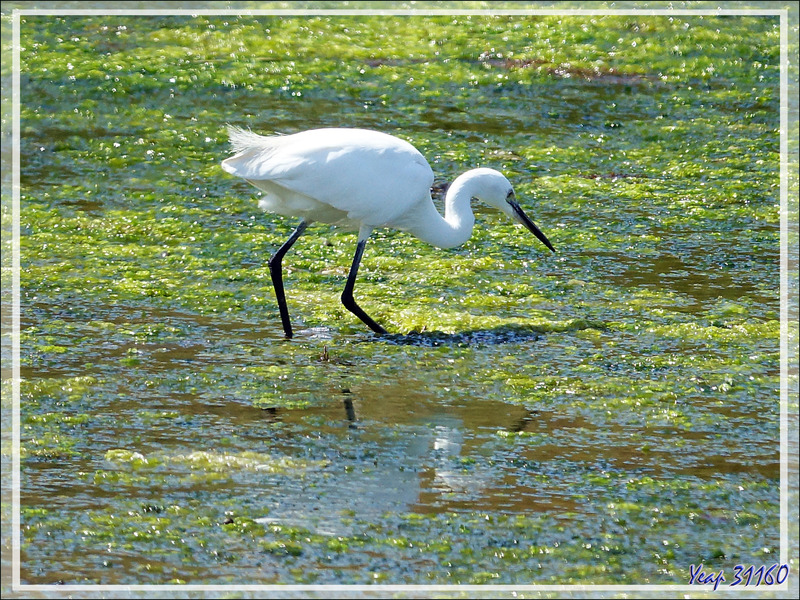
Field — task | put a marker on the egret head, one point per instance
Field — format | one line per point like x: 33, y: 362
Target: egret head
x: 494, y: 189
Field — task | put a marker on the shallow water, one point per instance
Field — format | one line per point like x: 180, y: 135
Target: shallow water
x: 607, y: 414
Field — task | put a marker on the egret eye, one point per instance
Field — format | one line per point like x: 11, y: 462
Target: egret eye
x: 510, y: 195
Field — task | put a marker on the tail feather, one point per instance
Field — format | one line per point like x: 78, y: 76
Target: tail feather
x: 243, y: 140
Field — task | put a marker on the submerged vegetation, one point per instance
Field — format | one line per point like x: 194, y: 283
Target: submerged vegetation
x: 607, y: 414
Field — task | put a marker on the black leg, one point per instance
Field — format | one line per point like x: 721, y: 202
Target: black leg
x: 347, y: 294
x: 276, y: 271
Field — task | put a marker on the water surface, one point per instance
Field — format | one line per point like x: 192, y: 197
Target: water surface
x: 605, y: 414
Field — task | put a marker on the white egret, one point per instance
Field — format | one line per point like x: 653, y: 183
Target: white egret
x: 360, y: 179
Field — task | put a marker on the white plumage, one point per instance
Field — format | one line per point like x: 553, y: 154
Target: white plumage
x: 322, y: 175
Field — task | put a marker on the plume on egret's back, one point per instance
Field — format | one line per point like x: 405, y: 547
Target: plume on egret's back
x: 346, y: 177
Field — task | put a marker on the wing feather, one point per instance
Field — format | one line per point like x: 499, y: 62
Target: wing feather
x: 372, y: 177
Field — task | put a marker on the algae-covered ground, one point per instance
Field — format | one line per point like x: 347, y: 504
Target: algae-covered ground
x: 608, y: 414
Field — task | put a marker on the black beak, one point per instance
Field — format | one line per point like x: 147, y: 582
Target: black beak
x: 523, y: 218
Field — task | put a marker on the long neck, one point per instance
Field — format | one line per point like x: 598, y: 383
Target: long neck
x: 455, y: 227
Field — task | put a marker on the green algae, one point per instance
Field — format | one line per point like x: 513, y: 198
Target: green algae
x: 214, y: 461
x: 529, y: 416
